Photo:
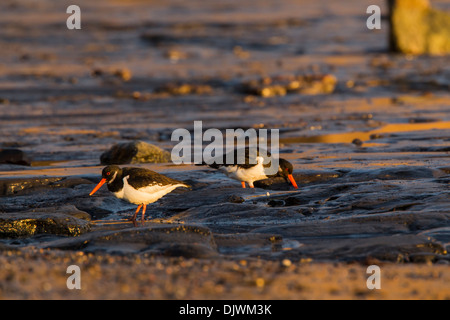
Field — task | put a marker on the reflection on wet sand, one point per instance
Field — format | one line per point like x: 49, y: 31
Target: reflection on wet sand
x: 349, y: 137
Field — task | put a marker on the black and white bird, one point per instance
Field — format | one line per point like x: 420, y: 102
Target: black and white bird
x: 139, y: 186
x: 251, y: 167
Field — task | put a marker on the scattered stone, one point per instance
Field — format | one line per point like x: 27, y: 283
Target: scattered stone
x: 241, y: 53
x: 175, y: 55
x: 417, y: 28
x: 282, y: 85
x: 235, y: 199
x: 135, y: 95
x: 357, y: 142
x: 135, y: 152
x: 286, y: 263
x: 260, y: 282
x: 14, y: 156
x: 122, y: 74
x: 184, y: 89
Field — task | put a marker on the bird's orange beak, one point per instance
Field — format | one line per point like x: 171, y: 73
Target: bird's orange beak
x: 102, y: 182
x: 291, y: 179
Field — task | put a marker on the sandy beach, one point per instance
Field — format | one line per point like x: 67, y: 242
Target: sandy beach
x: 366, y: 130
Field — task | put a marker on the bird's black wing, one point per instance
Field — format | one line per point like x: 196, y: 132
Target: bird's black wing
x: 244, y: 157
x: 141, y: 177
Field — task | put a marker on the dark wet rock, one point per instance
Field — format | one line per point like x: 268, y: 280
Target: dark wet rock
x: 375, y: 136
x: 383, y: 223
x: 395, y: 237
x: 394, y: 173
x: 288, y: 201
x: 14, y: 156
x: 276, y: 203
x: 16, y: 186
x: 194, y: 250
x: 237, y: 217
x: 293, y: 201
x: 426, y: 257
x: 303, y: 177
x: 421, y: 120
x: 417, y: 28
x: 169, y: 240
x: 135, y: 152
x: 357, y: 142
x: 235, y: 199
x: 440, y: 234
x: 242, y: 243
x: 312, y: 176
x: 398, y: 248
x: 66, y: 220
x: 282, y: 85
x: 200, y: 197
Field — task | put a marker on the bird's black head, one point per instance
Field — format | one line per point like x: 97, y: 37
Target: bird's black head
x: 110, y: 173
x: 285, y: 170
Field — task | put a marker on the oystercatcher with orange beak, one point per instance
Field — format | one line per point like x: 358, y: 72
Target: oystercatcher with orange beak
x: 137, y: 185
x: 247, y: 171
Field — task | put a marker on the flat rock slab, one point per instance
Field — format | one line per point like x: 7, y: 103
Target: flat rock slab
x: 14, y: 156
x: 67, y: 221
x: 16, y: 186
x: 399, y: 248
x: 168, y: 240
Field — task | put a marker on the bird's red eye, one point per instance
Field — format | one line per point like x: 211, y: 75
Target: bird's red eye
x: 108, y: 173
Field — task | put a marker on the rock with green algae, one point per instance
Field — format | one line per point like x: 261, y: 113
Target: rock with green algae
x: 417, y: 28
x: 134, y: 152
x: 66, y: 220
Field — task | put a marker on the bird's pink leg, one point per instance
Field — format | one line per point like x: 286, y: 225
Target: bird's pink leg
x: 133, y: 218
x: 143, y: 213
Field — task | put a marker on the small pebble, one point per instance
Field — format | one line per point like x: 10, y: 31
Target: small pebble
x: 357, y: 142
x: 260, y: 282
x: 286, y: 263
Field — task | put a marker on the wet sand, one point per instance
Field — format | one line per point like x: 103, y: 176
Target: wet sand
x: 370, y: 157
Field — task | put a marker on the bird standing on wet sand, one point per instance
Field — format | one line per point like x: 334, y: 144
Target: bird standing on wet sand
x: 249, y: 171
x: 137, y: 185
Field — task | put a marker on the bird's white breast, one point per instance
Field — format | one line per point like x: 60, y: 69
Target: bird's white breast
x: 144, y: 195
x: 252, y: 174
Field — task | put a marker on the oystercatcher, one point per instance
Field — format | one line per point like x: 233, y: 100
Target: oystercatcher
x: 137, y: 185
x: 248, y: 171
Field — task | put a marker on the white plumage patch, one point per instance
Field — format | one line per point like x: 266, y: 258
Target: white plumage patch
x: 144, y: 195
x: 249, y: 175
